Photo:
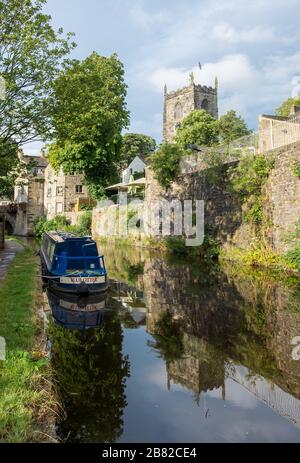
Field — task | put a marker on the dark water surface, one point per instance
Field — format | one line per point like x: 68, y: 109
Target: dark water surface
x: 178, y: 353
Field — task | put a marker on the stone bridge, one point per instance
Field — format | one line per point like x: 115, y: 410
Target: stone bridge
x: 9, y: 212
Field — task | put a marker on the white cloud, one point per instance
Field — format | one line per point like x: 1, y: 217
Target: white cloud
x: 256, y: 34
x: 145, y: 19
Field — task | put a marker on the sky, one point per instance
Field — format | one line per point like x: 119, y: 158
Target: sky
x: 252, y: 46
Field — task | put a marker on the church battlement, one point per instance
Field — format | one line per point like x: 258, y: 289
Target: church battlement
x: 179, y: 103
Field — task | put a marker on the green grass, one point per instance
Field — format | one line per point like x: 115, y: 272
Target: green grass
x: 22, y: 396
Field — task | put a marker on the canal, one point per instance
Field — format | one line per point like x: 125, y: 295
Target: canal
x: 178, y: 353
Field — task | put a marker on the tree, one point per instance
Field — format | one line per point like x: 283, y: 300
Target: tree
x: 135, y: 144
x: 285, y: 109
x: 198, y: 128
x: 232, y: 127
x: 31, y: 55
x: 166, y: 163
x: 89, y: 112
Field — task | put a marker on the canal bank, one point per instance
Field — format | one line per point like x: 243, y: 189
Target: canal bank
x: 27, y: 404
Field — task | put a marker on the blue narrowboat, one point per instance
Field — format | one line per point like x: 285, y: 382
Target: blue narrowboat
x: 72, y: 264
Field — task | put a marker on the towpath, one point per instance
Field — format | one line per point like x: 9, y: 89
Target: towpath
x: 7, y: 255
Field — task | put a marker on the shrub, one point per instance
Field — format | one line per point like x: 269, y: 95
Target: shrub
x: 42, y: 225
x: 295, y: 168
x: 293, y: 257
x: 247, y: 180
x: 61, y: 223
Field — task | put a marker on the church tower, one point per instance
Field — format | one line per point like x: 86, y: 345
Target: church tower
x: 178, y: 104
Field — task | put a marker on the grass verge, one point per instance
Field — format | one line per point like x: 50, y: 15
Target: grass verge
x: 24, y: 394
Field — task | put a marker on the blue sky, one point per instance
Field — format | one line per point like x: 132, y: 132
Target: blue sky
x: 252, y: 46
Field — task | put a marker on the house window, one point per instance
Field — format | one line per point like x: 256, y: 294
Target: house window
x: 49, y: 191
x: 59, y: 208
x: 79, y: 189
x: 49, y: 208
x: 59, y: 190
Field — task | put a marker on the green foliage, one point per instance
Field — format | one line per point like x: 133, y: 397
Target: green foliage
x: 293, y: 239
x: 247, y: 180
x: 285, y: 108
x: 91, y: 372
x: 295, y: 168
x: 89, y: 113
x: 31, y: 55
x: 61, y: 223
x: 42, y: 225
x: 136, y: 144
x: 21, y: 394
x: 293, y: 257
x: 198, y: 128
x: 168, y: 339
x: 232, y: 127
x: 166, y: 163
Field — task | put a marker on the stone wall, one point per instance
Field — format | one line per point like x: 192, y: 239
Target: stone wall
x: 282, y: 192
x: 223, y: 209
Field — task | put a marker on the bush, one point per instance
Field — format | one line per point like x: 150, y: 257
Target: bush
x: 293, y: 239
x: 60, y: 223
x: 293, y: 257
x: 42, y: 225
x: 247, y: 179
x: 166, y: 163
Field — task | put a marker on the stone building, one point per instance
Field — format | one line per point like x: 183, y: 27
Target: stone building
x: 63, y: 193
x: 29, y: 196
x: 180, y: 103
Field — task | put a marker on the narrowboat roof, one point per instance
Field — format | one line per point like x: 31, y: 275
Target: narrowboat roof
x: 61, y: 237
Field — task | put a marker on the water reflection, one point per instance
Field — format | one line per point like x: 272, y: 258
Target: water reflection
x: 73, y: 312
x: 218, y: 333
x: 90, y: 368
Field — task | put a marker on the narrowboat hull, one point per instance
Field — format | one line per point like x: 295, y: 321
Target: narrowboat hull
x: 80, y: 284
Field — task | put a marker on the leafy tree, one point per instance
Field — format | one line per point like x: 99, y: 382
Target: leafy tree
x: 285, y: 108
x: 166, y: 163
x: 135, y: 144
x: 198, y: 128
x: 89, y: 113
x: 31, y: 54
x: 232, y: 127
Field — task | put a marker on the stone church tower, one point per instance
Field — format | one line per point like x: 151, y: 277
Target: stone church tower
x: 178, y: 104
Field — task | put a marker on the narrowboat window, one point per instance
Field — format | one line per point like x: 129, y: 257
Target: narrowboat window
x: 51, y: 251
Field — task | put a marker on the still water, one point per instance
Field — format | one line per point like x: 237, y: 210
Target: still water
x: 178, y: 353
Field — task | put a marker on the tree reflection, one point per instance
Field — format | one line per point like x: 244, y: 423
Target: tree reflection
x: 91, y: 372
